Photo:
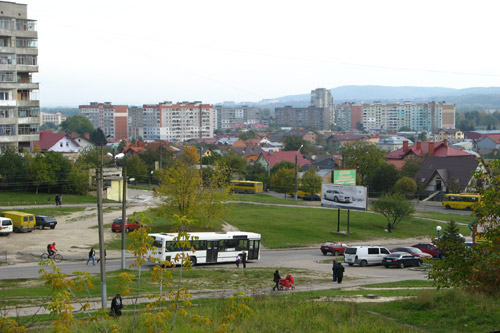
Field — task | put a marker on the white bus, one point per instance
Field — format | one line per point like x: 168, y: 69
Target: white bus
x: 210, y: 247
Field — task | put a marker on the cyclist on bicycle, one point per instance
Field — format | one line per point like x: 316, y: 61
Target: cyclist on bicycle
x: 51, y: 249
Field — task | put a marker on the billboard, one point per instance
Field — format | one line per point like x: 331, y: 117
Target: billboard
x: 344, y: 176
x: 343, y: 196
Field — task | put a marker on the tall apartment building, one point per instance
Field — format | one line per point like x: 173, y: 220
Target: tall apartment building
x: 317, y: 118
x: 227, y: 117
x: 348, y: 115
x: 19, y: 101
x: 322, y: 98
x: 135, y: 122
x: 55, y: 118
x: 111, y: 119
x: 419, y: 117
x: 178, y: 122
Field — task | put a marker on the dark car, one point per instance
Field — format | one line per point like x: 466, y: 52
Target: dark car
x: 335, y: 248
x: 117, y: 225
x: 45, y: 221
x: 413, y: 251
x: 401, y: 260
x: 427, y: 248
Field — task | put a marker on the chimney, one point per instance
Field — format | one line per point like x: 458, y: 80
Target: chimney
x: 445, y: 142
x: 431, y: 148
x: 419, y: 145
x: 73, y: 135
x: 87, y: 136
x: 405, y: 146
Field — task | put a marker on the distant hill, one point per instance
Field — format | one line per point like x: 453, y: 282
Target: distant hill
x: 468, y: 99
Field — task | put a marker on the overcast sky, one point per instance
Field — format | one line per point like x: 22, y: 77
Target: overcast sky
x: 139, y: 52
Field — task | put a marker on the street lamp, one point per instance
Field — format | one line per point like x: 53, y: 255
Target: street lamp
x: 297, y: 169
x: 438, y: 229
x: 124, y: 203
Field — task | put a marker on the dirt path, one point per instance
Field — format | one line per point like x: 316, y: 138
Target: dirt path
x: 74, y: 235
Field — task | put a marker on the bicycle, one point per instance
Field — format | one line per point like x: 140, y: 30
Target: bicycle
x: 56, y: 257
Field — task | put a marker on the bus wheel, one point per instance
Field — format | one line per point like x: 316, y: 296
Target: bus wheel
x: 193, y: 261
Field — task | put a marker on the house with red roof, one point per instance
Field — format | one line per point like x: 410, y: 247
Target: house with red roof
x: 422, y: 149
x: 59, y: 142
x: 341, y: 139
x: 268, y: 160
x: 489, y: 142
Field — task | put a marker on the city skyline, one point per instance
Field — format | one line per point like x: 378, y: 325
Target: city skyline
x: 129, y: 53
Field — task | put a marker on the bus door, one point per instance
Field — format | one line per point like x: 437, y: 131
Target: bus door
x: 253, y: 249
x: 212, y: 251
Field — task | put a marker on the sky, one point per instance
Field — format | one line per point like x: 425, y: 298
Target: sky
x: 145, y: 52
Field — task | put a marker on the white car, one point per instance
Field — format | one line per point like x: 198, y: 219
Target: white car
x: 337, y: 196
x: 6, y: 226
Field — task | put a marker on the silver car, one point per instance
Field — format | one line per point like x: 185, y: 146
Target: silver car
x: 337, y: 196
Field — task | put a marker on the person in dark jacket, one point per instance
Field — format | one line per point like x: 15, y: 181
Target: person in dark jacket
x: 244, y: 259
x: 276, y: 279
x: 116, y: 306
x: 91, y: 256
x: 340, y: 272
x: 334, y: 269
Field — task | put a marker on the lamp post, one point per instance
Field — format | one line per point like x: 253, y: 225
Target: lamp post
x: 438, y: 229
x: 297, y: 169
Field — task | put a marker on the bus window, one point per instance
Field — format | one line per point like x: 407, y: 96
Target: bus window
x: 157, y: 243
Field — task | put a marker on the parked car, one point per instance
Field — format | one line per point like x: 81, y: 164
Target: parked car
x: 117, y: 225
x: 365, y: 255
x: 427, y: 248
x: 413, y: 251
x: 401, y: 260
x: 6, y: 226
x: 334, y: 248
x: 337, y: 196
x: 45, y: 221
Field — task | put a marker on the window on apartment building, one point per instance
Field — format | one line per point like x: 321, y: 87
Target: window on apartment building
x: 26, y: 42
x: 7, y: 130
x: 6, y: 77
x: 27, y: 129
x: 5, y: 113
x: 4, y: 95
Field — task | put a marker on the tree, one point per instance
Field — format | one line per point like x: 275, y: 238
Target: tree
x: 281, y: 165
x: 283, y: 180
x: 384, y: 178
x: 311, y: 182
x: 235, y: 163
x: 359, y: 126
x: 422, y: 136
x: 137, y: 169
x: 39, y: 172
x: 98, y: 137
x: 405, y: 129
x: 411, y: 166
x: 257, y: 172
x: 89, y: 157
x: 190, y: 155
x: 248, y: 135
x: 406, y: 186
x: 78, y: 124
x: 77, y: 181
x: 183, y: 194
x: 13, y: 169
x: 293, y: 142
x: 59, y: 169
x: 395, y: 208
x: 49, y: 126
x: 365, y: 157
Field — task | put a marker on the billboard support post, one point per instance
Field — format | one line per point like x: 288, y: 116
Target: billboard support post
x: 348, y: 214
x: 338, y: 220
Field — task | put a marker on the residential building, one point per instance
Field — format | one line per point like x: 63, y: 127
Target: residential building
x: 111, y: 119
x: 135, y: 123
x: 419, y: 117
x: 392, y: 143
x: 19, y: 101
x: 55, y: 118
x: 229, y: 117
x: 437, y: 149
x: 341, y: 139
x: 312, y: 117
x: 268, y: 160
x: 450, y: 134
x: 347, y: 116
x: 489, y: 142
x: 305, y: 134
x: 322, y: 98
x: 58, y: 142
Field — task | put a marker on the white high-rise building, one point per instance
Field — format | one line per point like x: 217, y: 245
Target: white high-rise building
x: 322, y: 98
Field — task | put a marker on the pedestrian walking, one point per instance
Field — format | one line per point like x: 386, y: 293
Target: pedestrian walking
x: 389, y: 227
x: 58, y: 200
x: 334, y: 269
x: 340, y: 272
x: 276, y: 279
x: 238, y: 261
x: 91, y: 256
x: 105, y: 254
x: 244, y: 259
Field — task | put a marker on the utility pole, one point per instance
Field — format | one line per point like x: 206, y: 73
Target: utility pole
x: 124, y: 215
x: 297, y: 170
x: 99, y: 176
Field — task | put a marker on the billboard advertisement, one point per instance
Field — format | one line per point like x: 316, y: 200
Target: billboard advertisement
x: 344, y: 176
x: 343, y: 196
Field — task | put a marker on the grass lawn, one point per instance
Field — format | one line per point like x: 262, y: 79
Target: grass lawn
x: 283, y: 227
x: 59, y: 211
x: 445, y: 216
x: 27, y: 199
x: 267, y: 199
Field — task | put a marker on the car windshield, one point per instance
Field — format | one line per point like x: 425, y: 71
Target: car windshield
x: 415, y: 250
x: 328, y: 244
x: 351, y: 250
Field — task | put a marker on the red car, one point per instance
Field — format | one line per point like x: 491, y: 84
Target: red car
x: 413, y: 251
x: 427, y: 248
x: 335, y: 248
x: 117, y: 225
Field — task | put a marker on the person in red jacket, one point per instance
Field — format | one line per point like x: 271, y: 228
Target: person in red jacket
x: 51, y: 249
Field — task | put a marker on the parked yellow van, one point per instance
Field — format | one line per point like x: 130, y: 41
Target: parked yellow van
x: 23, y: 222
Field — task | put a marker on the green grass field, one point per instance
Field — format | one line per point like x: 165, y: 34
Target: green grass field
x: 283, y: 227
